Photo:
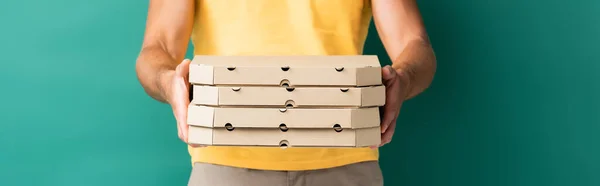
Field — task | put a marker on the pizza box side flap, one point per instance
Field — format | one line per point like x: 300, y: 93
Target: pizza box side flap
x: 365, y: 117
x: 205, y: 95
x: 201, y: 116
x: 248, y: 137
x: 201, y: 74
x: 368, y: 136
x: 373, y: 96
x: 274, y: 137
x: 280, y: 97
x: 282, y: 118
x: 347, y: 61
x: 200, y: 135
x: 360, y: 70
x: 368, y: 76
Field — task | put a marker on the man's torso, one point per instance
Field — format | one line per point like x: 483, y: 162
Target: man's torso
x: 281, y: 27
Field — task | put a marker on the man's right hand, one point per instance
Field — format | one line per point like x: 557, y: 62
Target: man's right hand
x: 177, y: 92
x: 169, y: 25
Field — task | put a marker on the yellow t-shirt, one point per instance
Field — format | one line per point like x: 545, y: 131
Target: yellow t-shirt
x: 281, y: 27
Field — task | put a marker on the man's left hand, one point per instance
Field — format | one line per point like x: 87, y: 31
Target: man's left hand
x: 396, y: 90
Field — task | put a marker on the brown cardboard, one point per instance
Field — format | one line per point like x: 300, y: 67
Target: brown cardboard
x: 299, y: 101
x: 340, y: 70
x: 282, y: 118
x: 292, y: 138
x: 289, y: 96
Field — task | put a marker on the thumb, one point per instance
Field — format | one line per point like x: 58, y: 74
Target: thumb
x: 183, y: 68
x: 387, y: 73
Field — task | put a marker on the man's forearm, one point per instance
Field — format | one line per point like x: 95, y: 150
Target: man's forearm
x: 403, y: 34
x: 417, y: 64
x: 168, y: 28
x: 154, y: 69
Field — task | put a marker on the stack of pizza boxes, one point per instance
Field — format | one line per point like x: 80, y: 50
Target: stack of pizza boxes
x: 285, y: 101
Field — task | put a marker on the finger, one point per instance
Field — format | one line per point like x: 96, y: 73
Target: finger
x: 393, y: 100
x: 180, y: 106
x: 389, y: 115
x: 196, y: 145
x: 182, y: 97
x: 182, y: 115
x: 387, y: 136
x: 179, y: 135
x: 176, y: 113
x: 182, y: 128
x: 392, y: 106
x: 373, y: 146
x: 388, y: 81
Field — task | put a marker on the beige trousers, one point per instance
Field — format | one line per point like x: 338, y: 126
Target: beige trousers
x: 358, y: 174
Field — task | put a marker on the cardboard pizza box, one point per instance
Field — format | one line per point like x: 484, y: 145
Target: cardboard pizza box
x: 288, y: 96
x: 299, y: 127
x: 282, y: 118
x: 311, y: 70
x: 273, y: 137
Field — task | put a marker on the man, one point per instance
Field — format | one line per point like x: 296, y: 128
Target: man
x: 283, y: 27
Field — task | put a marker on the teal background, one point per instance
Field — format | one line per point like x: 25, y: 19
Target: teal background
x: 514, y: 102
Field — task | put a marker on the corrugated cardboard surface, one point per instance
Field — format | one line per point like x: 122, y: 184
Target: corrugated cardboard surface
x: 327, y: 118
x: 283, y: 96
x: 292, y: 138
x: 360, y: 70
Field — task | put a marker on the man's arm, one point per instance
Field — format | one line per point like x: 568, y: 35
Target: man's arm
x: 168, y: 28
x: 403, y: 34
